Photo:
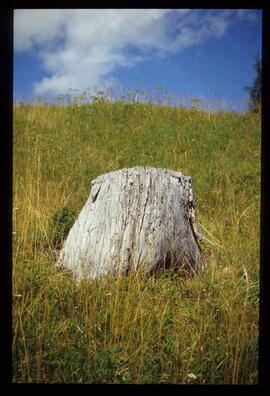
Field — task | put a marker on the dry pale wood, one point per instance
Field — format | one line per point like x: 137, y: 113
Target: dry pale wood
x: 139, y: 218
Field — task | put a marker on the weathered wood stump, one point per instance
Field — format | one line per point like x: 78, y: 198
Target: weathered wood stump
x: 135, y: 219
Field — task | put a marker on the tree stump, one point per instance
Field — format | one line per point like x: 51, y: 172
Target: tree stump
x: 136, y: 219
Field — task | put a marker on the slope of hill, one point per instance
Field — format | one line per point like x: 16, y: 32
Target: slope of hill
x: 135, y: 330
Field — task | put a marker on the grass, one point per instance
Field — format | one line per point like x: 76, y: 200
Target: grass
x: 135, y: 329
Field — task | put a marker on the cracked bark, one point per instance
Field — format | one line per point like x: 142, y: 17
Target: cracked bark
x: 135, y: 219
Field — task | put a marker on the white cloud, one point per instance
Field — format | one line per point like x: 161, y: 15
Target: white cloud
x: 37, y: 27
x: 80, y: 49
x: 247, y: 14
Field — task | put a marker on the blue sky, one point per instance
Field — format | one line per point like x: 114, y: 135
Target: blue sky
x: 208, y: 54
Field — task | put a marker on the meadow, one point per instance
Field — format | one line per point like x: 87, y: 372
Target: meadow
x: 135, y: 329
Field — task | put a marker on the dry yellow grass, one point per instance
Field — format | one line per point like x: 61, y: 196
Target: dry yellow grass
x: 136, y: 330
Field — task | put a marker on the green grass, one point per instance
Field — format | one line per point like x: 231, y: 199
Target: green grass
x: 135, y: 329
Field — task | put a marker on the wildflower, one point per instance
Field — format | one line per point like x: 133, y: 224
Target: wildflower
x: 226, y: 269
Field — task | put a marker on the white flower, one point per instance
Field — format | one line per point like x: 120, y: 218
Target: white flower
x: 192, y: 376
x: 226, y: 269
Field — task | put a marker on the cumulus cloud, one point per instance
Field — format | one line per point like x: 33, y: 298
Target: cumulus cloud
x: 247, y: 15
x: 81, y: 49
x: 37, y: 27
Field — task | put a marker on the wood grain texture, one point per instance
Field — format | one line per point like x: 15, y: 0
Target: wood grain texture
x: 139, y: 218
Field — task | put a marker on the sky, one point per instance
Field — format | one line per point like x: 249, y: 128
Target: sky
x: 176, y: 54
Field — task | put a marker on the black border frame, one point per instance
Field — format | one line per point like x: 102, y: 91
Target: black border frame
x: 6, y: 144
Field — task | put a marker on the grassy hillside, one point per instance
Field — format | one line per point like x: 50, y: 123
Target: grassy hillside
x: 135, y: 330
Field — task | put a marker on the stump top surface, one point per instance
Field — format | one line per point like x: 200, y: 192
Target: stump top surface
x: 140, y: 170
